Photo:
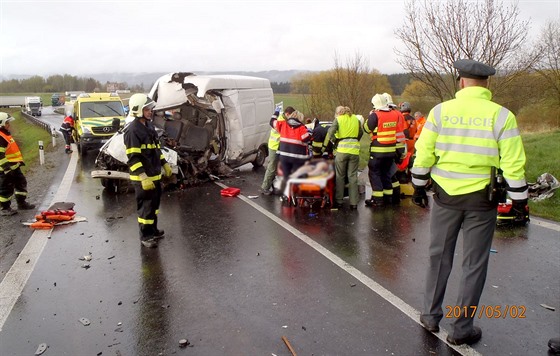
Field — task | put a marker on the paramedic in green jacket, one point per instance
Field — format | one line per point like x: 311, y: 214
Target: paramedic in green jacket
x: 462, y: 140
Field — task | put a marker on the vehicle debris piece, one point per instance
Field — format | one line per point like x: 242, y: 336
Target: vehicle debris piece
x: 85, y: 321
x: 285, y: 339
x: 184, y: 343
x: 548, y: 307
x: 42, y: 348
x: 230, y: 192
x: 85, y: 258
x: 86, y: 265
x: 253, y: 196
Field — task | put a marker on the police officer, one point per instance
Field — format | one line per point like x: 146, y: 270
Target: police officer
x: 145, y: 162
x: 12, y: 179
x: 461, y: 140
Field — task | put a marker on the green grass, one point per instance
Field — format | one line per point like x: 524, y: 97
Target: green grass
x: 294, y: 100
x: 27, y: 137
x: 542, y: 157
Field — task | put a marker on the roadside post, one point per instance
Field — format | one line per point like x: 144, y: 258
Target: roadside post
x: 53, y: 131
x: 41, y: 153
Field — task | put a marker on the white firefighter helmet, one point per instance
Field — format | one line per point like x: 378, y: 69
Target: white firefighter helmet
x: 5, y: 118
x: 379, y: 101
x: 390, y: 102
x: 138, y: 102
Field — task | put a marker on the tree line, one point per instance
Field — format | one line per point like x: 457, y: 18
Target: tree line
x: 57, y: 84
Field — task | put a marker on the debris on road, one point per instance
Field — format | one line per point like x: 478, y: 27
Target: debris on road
x: 285, y: 339
x: 548, y: 307
x: 184, y: 343
x: 85, y: 321
x: 42, y: 348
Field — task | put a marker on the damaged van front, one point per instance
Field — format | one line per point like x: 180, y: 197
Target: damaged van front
x: 214, y: 123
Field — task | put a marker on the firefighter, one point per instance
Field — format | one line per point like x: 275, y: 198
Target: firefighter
x: 66, y: 128
x: 410, y: 126
x: 145, y: 161
x: 385, y: 127
x: 347, y: 132
x: 12, y: 179
x: 321, y: 145
x: 462, y: 140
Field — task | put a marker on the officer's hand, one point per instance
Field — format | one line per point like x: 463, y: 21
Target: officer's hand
x: 419, y: 197
x: 167, y: 170
x: 521, y: 210
x: 147, y: 183
x: 278, y: 108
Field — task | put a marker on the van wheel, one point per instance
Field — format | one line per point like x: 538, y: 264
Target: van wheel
x: 261, y: 156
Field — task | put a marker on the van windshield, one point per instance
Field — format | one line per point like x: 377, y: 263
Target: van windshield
x: 101, y: 109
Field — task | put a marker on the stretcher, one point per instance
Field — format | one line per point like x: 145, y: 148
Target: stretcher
x: 312, y: 184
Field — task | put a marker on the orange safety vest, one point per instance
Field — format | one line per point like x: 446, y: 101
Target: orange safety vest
x: 13, y: 154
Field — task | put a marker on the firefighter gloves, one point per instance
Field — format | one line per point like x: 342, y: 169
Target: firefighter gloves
x: 167, y: 170
x: 419, y: 197
x: 147, y: 183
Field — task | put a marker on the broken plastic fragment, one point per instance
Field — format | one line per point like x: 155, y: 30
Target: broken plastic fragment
x: 252, y: 196
x: 42, y: 348
x: 184, y: 343
x: 493, y: 250
x: 84, y: 321
x: 548, y: 307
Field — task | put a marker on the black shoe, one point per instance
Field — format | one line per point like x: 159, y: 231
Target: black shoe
x: 7, y: 212
x: 554, y: 345
x: 25, y: 206
x: 151, y: 243
x: 265, y: 191
x: 159, y: 234
x: 337, y: 205
x: 430, y: 326
x: 374, y: 202
x: 470, y: 339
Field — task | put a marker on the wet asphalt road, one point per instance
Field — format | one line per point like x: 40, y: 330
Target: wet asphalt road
x: 234, y: 275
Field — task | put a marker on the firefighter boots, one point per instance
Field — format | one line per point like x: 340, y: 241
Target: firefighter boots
x: 374, y: 202
x: 396, y: 198
x: 7, y: 210
x: 23, y: 205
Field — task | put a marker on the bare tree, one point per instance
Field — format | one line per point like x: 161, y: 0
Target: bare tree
x: 548, y: 49
x: 351, y: 84
x: 437, y: 33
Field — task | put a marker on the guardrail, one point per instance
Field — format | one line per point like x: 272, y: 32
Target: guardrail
x: 38, y: 122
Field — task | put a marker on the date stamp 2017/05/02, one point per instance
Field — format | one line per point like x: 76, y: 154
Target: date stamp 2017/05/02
x: 486, y: 311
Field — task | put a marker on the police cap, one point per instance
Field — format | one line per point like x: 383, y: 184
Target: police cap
x: 469, y: 68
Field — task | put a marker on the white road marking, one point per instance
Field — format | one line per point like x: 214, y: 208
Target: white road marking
x: 368, y: 282
x: 16, y: 278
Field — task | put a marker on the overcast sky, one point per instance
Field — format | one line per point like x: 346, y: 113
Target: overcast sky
x: 80, y: 37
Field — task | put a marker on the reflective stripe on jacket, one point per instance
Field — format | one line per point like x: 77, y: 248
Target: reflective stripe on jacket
x: 466, y: 136
x: 143, y: 151
x: 386, y: 130
x: 293, y: 140
x: 9, y: 152
x: 347, y: 131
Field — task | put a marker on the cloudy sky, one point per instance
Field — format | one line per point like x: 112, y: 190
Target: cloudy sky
x: 81, y: 37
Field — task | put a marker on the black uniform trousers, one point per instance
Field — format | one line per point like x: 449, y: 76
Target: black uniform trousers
x: 147, y: 208
x: 380, y: 174
x: 10, y: 182
x: 478, y: 230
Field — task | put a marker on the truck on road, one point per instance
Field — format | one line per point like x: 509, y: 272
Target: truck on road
x: 33, y: 105
x: 12, y: 101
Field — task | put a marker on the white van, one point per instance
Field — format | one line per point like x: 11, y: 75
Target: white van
x: 234, y: 110
x: 210, y: 124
